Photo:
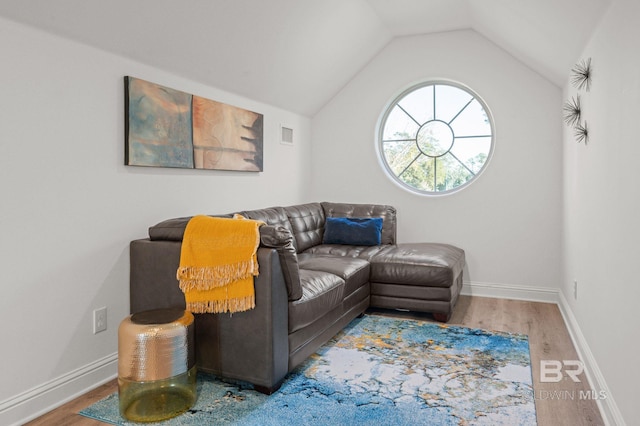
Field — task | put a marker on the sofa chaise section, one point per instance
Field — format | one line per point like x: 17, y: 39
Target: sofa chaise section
x: 424, y: 277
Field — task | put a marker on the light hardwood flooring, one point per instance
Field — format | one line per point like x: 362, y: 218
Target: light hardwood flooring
x: 557, y: 404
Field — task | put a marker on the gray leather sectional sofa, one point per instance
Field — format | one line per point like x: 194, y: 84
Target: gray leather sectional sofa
x: 307, y: 290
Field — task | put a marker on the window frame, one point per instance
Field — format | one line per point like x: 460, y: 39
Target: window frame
x: 388, y: 108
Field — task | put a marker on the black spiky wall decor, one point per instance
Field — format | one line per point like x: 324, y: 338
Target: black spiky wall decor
x: 581, y: 75
x: 582, y: 72
x: 572, y: 111
x: 581, y: 132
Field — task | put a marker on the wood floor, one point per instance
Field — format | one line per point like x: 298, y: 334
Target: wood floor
x: 557, y: 404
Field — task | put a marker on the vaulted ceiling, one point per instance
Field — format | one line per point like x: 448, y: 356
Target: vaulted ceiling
x: 297, y: 54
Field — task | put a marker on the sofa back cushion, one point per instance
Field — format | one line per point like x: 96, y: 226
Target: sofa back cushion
x: 307, y: 223
x: 271, y: 216
x: 173, y: 229
x: 387, y: 213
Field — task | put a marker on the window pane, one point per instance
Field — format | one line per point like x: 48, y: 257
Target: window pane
x: 450, y: 101
x: 451, y: 173
x: 399, y: 126
x: 419, y: 104
x: 473, y: 121
x: 399, y: 155
x: 420, y: 174
x: 473, y: 152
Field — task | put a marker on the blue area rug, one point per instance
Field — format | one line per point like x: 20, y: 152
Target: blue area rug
x: 382, y: 371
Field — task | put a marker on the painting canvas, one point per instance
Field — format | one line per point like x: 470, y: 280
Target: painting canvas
x: 226, y: 137
x: 165, y: 127
x: 158, y: 121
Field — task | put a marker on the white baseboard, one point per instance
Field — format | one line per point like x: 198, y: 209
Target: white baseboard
x: 608, y: 408
x: 47, y: 396
x: 510, y: 291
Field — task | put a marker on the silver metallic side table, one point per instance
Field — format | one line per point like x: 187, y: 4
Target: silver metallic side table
x: 156, y: 365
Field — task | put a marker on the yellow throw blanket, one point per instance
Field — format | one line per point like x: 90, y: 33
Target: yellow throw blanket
x: 218, y: 261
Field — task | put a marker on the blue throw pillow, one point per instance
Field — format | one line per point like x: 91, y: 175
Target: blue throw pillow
x: 353, y: 231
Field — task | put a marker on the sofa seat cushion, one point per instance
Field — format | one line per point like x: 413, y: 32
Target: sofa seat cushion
x: 340, y: 250
x: 354, y: 271
x: 321, y: 292
x: 425, y: 264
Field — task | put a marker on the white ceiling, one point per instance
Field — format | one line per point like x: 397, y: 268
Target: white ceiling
x: 297, y: 54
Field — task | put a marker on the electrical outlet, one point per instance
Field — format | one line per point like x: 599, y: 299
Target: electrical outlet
x: 575, y: 289
x: 99, y: 320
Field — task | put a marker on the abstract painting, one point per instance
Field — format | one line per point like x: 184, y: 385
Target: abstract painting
x: 226, y: 137
x: 158, y: 125
x: 165, y: 127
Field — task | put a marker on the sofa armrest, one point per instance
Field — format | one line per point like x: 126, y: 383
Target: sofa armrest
x: 252, y: 346
x: 281, y: 239
x: 153, y: 283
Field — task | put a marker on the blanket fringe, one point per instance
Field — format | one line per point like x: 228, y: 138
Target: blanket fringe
x: 222, y: 306
x: 207, y: 277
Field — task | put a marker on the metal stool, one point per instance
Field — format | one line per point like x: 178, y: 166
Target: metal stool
x: 156, y: 365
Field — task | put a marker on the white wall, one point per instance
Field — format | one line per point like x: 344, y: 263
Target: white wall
x: 508, y: 221
x: 69, y: 207
x: 601, y: 205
